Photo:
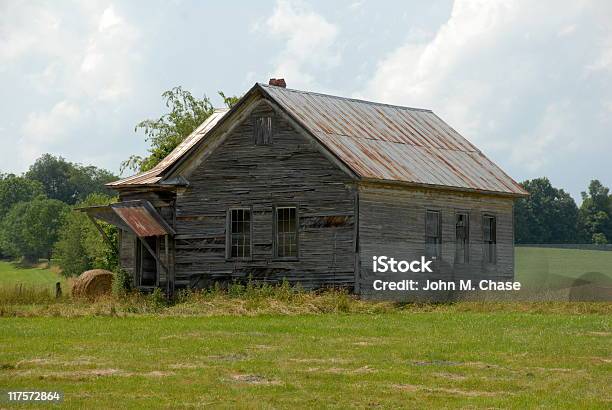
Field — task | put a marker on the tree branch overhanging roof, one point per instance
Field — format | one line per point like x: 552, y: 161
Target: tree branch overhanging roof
x: 378, y: 142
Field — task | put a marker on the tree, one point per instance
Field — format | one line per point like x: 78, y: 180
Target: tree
x: 14, y: 189
x: 596, y: 214
x: 548, y: 215
x: 30, y: 229
x: 80, y: 246
x: 66, y: 181
x: 165, y: 133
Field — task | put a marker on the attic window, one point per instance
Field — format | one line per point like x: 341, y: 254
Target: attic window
x: 262, y: 131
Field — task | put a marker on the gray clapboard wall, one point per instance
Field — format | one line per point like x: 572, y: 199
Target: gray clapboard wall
x: 289, y: 172
x: 392, y: 223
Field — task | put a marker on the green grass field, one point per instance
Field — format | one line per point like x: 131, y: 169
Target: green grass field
x: 534, y: 265
x: 435, y: 359
x: 11, y: 274
x: 267, y: 352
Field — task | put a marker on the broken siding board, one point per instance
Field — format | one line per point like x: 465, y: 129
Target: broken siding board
x: 288, y: 172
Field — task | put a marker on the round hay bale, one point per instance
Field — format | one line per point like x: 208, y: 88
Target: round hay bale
x: 92, y: 284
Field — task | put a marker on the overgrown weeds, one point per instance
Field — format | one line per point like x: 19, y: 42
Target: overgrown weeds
x: 254, y: 299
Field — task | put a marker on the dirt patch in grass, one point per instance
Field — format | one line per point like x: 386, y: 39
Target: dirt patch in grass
x: 321, y: 360
x: 448, y: 391
x: 233, y: 357
x: 188, y: 366
x: 450, y: 376
x: 435, y: 363
x: 342, y: 370
x: 601, y: 359
x: 79, y: 361
x: 87, y: 373
x: 254, y: 379
x: 183, y: 336
x: 599, y: 333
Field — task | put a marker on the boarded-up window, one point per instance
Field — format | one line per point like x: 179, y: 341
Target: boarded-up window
x: 239, y: 233
x: 462, y: 238
x: 489, y: 235
x: 433, y: 234
x: 262, y: 131
x: 286, y: 232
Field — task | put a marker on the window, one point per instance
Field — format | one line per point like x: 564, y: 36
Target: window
x: 462, y: 238
x: 489, y: 236
x: 239, y: 233
x: 262, y: 131
x: 286, y: 232
x: 433, y: 234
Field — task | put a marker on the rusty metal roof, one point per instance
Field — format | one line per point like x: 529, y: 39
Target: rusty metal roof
x: 142, y: 218
x: 376, y: 141
x: 154, y: 175
x: 393, y: 143
x: 139, y: 217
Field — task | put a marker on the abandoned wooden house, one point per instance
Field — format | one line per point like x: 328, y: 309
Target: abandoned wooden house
x: 309, y: 188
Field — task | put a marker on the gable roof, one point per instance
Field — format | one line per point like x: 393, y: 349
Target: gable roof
x: 378, y: 142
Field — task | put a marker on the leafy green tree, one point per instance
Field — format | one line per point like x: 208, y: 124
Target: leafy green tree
x: 229, y: 101
x: 14, y: 189
x: 66, y: 181
x: 548, y: 215
x: 81, y: 246
x: 30, y: 229
x: 165, y: 133
x: 596, y: 214
x: 69, y: 250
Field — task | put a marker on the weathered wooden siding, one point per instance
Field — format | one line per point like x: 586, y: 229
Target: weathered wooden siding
x: 127, y: 257
x: 392, y: 223
x: 289, y: 172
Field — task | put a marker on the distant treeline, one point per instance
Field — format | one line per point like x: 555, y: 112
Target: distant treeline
x: 35, y: 221
x: 550, y: 215
x: 35, y: 217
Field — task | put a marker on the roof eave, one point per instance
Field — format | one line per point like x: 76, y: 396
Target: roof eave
x: 516, y: 195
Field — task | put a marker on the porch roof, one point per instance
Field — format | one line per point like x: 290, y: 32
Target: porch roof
x: 139, y: 217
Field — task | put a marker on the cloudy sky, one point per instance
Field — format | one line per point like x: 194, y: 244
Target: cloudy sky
x: 530, y: 83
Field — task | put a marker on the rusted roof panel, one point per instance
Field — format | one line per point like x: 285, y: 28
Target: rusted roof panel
x: 104, y: 213
x: 393, y: 143
x: 142, y: 218
x: 154, y: 175
x: 377, y: 141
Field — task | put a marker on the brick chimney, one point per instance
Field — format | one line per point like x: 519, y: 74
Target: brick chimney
x: 279, y: 82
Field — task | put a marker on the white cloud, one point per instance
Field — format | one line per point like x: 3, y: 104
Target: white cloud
x: 80, y: 57
x: 44, y: 131
x: 510, y: 77
x: 93, y: 59
x: 111, y: 52
x: 309, y: 43
x: 109, y: 19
